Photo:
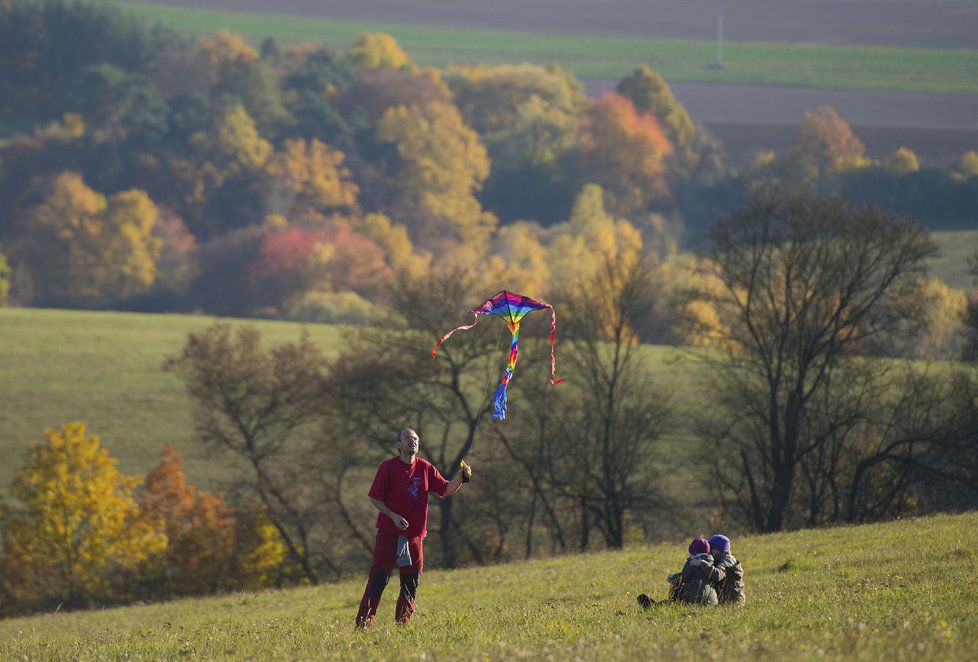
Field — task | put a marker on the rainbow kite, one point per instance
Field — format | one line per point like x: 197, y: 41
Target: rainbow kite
x: 512, y: 308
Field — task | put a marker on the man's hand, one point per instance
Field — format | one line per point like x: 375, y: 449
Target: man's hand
x: 399, y: 521
x: 465, y: 471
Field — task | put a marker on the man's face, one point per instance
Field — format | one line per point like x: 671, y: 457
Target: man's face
x: 407, y: 442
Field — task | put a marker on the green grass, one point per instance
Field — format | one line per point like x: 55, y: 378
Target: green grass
x: 953, y: 264
x: 899, y: 591
x: 104, y: 368
x: 872, y: 68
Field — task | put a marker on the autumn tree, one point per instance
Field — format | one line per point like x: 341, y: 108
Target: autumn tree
x: 903, y: 161
x: 441, y: 166
x: 376, y: 91
x: 696, y: 152
x: 812, y: 283
x: 608, y: 463
x: 966, y: 167
x: 4, y: 279
x: 238, y: 140
x: 77, y: 532
x: 84, y: 248
x: 527, y: 117
x: 309, y: 179
x: 260, y: 409
x: 826, y: 145
x: 377, y: 51
x: 593, y: 234
x: 199, y: 527
x: 314, y: 81
x: 943, y: 312
x: 490, y: 98
x: 624, y: 152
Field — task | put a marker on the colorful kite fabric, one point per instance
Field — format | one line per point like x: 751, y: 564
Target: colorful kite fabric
x: 511, y: 308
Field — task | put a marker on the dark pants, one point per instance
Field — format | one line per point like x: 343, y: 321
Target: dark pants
x: 384, y: 562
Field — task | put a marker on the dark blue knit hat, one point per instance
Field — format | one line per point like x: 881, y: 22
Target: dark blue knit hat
x: 720, y: 542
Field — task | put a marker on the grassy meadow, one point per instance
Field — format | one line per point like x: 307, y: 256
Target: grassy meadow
x: 870, y: 68
x: 952, y: 265
x: 105, y: 368
x: 898, y: 591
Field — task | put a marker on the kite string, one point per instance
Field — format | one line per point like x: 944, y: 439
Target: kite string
x: 485, y: 393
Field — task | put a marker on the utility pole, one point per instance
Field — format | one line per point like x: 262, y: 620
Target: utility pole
x: 718, y: 63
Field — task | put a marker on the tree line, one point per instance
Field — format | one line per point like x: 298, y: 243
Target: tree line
x: 149, y: 170
x: 80, y: 533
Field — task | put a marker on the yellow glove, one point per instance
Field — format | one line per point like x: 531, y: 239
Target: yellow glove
x: 465, y: 470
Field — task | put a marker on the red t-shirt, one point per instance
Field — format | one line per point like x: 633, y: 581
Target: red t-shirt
x: 404, y: 488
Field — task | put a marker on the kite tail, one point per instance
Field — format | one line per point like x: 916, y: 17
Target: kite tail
x: 553, y: 336
x: 460, y: 327
x: 499, y: 398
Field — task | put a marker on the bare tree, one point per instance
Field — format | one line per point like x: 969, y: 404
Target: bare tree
x: 263, y: 409
x: 807, y: 283
x: 606, y: 457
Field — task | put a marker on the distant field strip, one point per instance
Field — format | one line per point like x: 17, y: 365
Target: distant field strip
x: 871, y: 68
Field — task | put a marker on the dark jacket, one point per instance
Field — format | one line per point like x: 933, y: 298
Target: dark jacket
x: 731, y: 588
x: 700, y: 577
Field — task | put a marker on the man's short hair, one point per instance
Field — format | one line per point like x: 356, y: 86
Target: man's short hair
x: 397, y: 437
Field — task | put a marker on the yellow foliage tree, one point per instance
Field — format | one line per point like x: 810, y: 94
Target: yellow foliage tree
x: 261, y: 558
x: 377, y: 51
x: 84, y: 248
x: 944, y: 309
x: 443, y: 164
x: 525, y: 258
x: 78, y: 528
x: 490, y: 98
x: 221, y: 53
x: 904, y: 161
x: 592, y: 237
x: 239, y: 141
x: 4, y: 279
x: 310, y: 177
x: 966, y: 167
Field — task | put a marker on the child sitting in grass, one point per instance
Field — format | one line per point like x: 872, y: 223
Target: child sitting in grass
x: 697, y: 582
x: 731, y: 588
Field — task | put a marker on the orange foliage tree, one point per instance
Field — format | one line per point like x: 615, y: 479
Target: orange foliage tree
x: 624, y: 152
x: 200, y: 529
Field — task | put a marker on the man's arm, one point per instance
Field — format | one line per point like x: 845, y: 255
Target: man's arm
x: 399, y: 521
x: 453, y: 485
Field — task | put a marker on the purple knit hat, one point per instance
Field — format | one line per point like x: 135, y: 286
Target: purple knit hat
x: 699, y: 546
x: 720, y: 543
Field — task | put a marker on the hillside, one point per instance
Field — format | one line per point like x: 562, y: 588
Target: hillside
x: 902, y: 590
x: 105, y: 368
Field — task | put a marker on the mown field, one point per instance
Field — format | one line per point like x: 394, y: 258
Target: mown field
x: 899, y: 591
x: 849, y: 67
x: 105, y: 368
